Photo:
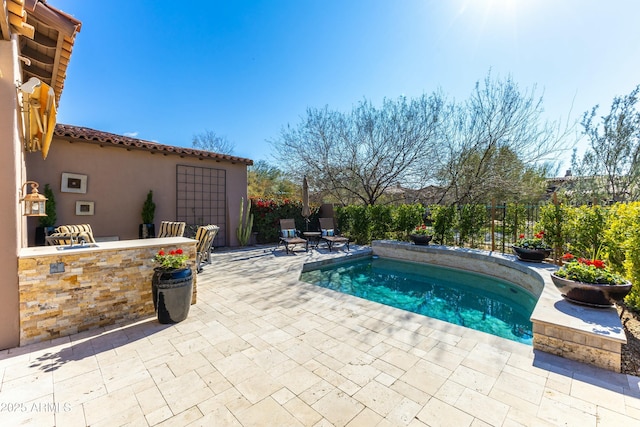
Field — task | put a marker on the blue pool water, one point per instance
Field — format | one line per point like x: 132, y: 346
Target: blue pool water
x: 472, y: 300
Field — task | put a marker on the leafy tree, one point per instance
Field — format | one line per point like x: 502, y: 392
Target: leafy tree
x: 269, y: 182
x: 356, y: 156
x: 210, y: 141
x: 610, y: 166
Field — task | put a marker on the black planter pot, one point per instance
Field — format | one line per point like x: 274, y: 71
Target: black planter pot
x: 172, y: 290
x: 591, y: 294
x: 420, y: 239
x: 146, y: 231
x: 531, y: 255
x: 42, y: 233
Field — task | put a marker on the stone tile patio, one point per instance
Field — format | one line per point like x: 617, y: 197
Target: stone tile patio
x: 261, y: 348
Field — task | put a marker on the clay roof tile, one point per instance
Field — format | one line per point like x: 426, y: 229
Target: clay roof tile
x: 79, y: 133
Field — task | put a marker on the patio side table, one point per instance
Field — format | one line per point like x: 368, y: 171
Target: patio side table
x: 313, y: 237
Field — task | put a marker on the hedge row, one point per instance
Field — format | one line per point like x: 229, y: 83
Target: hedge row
x: 609, y: 233
x: 361, y: 224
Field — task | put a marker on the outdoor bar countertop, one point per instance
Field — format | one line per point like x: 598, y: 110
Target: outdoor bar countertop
x: 66, y: 291
x: 101, y: 246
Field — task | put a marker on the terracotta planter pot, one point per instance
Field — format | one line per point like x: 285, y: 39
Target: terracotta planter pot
x: 531, y: 255
x: 591, y: 294
x: 420, y: 239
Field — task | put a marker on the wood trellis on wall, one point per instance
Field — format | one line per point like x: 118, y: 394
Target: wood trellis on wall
x: 201, y: 199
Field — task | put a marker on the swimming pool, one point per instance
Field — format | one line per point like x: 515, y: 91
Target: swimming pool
x: 463, y: 298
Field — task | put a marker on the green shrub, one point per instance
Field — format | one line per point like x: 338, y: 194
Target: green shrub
x: 622, y: 237
x: 406, y: 218
x: 443, y: 218
x: 471, y: 221
x: 353, y: 222
x: 380, y: 221
x: 584, y: 231
x: 553, y: 217
x: 515, y: 219
x: 267, y: 214
x: 50, y: 208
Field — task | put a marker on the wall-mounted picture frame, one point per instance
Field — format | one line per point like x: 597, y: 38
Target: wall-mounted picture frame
x: 84, y: 208
x: 73, y: 183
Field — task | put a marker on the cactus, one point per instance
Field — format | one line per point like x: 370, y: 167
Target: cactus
x: 243, y: 232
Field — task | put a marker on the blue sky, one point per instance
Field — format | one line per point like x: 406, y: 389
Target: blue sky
x: 165, y: 71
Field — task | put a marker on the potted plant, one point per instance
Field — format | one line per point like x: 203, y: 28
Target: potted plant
x: 589, y: 282
x: 532, y: 249
x: 171, y: 286
x: 46, y: 223
x: 421, y: 235
x: 147, y: 228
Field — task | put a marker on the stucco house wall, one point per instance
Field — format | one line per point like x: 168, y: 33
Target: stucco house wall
x: 12, y: 175
x: 36, y: 40
x: 120, y: 176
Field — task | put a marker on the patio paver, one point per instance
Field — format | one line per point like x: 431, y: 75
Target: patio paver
x: 261, y: 348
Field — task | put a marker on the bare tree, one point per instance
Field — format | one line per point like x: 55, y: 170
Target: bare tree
x: 496, y: 144
x: 210, y: 141
x: 610, y: 166
x: 356, y: 156
x: 493, y: 145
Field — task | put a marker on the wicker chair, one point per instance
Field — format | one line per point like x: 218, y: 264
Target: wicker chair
x: 205, y: 236
x: 64, y: 234
x: 171, y: 229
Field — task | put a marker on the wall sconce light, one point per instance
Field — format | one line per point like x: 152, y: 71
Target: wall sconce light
x: 34, y: 202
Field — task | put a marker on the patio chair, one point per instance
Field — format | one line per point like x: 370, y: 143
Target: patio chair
x: 65, y: 234
x: 330, y: 234
x: 172, y: 229
x: 289, y: 236
x: 205, y: 236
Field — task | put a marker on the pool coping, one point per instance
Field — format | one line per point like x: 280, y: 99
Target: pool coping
x: 589, y: 335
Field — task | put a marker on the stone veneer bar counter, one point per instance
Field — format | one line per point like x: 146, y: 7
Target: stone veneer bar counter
x: 63, y: 292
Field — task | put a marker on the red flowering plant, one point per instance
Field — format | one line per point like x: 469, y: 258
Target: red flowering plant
x: 423, y: 230
x: 173, y: 260
x: 535, y: 242
x: 588, y: 271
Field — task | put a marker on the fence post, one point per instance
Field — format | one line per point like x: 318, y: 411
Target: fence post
x: 493, y: 225
x: 514, y: 238
x: 504, y: 225
x: 557, y: 249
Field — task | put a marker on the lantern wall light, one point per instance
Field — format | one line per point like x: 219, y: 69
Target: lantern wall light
x: 34, y: 202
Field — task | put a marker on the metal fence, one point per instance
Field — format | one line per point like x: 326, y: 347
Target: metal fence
x: 503, y: 225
